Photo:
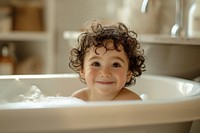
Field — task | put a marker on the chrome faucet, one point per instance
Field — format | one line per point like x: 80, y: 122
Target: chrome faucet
x: 178, y: 26
x: 144, y: 6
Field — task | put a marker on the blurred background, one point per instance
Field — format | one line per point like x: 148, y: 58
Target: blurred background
x: 32, y: 31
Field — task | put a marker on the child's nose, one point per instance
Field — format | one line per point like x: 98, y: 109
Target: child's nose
x: 105, y: 72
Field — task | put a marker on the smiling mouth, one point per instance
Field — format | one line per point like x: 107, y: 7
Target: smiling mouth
x: 104, y: 82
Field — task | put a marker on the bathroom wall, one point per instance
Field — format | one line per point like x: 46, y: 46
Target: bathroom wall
x: 72, y: 14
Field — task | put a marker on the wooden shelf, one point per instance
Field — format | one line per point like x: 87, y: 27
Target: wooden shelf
x: 38, y: 44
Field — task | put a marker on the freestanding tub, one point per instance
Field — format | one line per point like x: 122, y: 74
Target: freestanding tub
x: 170, y: 105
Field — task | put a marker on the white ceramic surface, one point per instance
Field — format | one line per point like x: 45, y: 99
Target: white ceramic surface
x: 178, y: 57
x: 171, y: 105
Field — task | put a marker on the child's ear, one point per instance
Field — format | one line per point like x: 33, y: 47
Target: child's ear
x: 129, y: 75
x: 82, y: 74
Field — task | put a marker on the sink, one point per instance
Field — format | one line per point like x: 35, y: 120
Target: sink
x: 179, y: 57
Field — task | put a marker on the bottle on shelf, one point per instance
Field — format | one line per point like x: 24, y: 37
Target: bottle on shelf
x: 6, y: 18
x: 6, y: 61
x: 194, y: 20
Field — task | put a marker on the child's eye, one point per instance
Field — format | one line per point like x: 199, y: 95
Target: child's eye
x: 95, y: 64
x: 116, y: 65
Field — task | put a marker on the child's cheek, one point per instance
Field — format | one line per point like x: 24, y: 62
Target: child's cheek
x: 119, y: 72
x: 121, y: 75
x: 91, y: 71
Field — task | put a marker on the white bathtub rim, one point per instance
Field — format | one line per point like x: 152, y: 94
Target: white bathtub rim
x: 125, y: 112
x: 39, y: 76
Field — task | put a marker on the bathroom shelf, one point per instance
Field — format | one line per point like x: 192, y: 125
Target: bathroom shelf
x: 168, y: 40
x: 34, y: 43
x: 23, y: 36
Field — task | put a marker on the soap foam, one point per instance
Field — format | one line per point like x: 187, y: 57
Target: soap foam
x: 33, y: 94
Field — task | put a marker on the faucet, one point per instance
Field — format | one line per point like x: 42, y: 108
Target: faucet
x: 144, y: 6
x: 178, y: 26
x: 176, y: 29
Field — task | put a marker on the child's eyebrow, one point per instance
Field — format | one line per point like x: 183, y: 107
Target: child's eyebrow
x: 119, y: 58
x: 113, y: 57
x: 93, y: 58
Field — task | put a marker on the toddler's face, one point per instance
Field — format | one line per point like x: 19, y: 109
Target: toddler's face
x: 106, y: 72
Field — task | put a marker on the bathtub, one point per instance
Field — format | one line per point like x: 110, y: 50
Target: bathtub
x: 169, y: 105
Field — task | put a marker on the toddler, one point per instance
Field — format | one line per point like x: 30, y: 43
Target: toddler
x: 108, y: 59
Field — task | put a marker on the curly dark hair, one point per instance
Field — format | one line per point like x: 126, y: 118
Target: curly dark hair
x: 120, y: 35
